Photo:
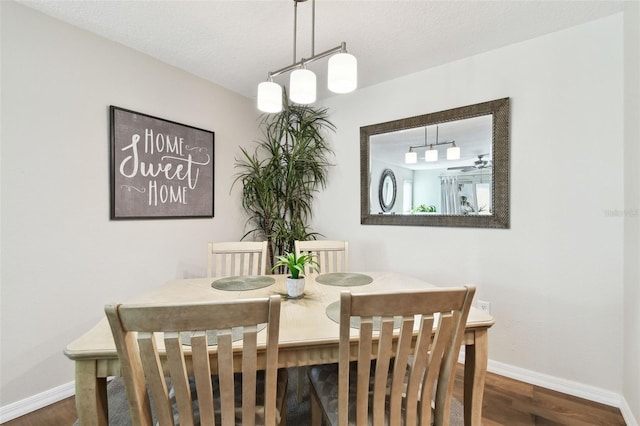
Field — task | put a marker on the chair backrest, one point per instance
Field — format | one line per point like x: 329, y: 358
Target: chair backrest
x: 332, y: 256
x: 237, y: 258
x: 150, y: 339
x: 404, y: 376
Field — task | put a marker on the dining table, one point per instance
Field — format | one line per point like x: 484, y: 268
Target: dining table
x: 309, y: 332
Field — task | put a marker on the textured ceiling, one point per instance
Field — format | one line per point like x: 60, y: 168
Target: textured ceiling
x: 236, y: 43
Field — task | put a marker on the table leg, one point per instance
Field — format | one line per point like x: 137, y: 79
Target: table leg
x: 475, y: 372
x: 91, y: 395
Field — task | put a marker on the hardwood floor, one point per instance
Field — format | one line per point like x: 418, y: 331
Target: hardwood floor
x: 62, y: 413
x: 512, y: 403
x: 506, y: 402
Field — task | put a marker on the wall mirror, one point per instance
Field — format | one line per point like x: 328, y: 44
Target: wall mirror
x: 448, y: 168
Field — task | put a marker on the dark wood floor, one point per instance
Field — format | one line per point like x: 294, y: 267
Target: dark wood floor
x: 512, y: 403
x: 506, y: 402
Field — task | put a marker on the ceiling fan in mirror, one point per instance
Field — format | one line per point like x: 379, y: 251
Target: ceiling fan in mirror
x: 479, y: 164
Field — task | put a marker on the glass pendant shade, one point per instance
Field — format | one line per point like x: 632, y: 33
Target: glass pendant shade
x: 453, y: 153
x: 342, y: 73
x: 269, y: 97
x: 302, y: 86
x: 431, y: 155
x: 411, y: 157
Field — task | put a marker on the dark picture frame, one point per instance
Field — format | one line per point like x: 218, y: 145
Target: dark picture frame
x: 160, y: 169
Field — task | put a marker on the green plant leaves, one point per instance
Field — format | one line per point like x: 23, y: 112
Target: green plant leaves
x: 281, y: 177
x: 294, y: 264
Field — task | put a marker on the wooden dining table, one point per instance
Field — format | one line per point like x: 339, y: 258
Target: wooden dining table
x: 309, y: 333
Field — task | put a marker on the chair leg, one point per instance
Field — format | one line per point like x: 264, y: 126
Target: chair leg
x: 302, y: 373
x: 283, y: 384
x: 283, y: 417
x: 316, y: 412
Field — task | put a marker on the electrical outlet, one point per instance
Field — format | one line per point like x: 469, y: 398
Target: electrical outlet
x: 484, y: 306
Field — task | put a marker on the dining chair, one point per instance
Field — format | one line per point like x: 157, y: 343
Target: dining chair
x: 405, y: 359
x: 237, y: 258
x: 331, y: 255
x: 168, y: 354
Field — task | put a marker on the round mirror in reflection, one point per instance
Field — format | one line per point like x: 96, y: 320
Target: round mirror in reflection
x: 387, y: 190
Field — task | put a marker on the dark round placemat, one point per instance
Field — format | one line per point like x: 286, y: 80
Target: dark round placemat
x: 240, y: 283
x: 333, y: 312
x: 344, y: 279
x: 212, y: 335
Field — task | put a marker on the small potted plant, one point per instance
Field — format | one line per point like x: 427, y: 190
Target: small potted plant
x: 295, y: 265
x: 423, y: 208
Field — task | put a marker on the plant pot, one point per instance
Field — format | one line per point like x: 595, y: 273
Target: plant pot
x: 295, y: 287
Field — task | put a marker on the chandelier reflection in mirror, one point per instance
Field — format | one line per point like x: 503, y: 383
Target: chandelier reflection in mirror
x: 431, y: 154
x: 342, y: 73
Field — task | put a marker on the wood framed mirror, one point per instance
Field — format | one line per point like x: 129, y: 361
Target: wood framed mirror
x: 449, y: 168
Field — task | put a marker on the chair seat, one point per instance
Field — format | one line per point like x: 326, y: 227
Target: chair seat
x: 260, y: 382
x: 324, y: 380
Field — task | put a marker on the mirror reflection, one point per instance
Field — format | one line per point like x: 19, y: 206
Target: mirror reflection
x: 448, y: 168
x: 443, y: 168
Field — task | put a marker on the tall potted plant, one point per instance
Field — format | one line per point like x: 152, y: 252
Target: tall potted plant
x: 282, y: 175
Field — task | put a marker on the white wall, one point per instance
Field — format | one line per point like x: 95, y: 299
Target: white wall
x: 62, y: 258
x: 554, y: 279
x: 631, y: 369
x: 427, y: 189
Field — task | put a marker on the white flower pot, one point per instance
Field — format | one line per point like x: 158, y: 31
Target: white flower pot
x: 295, y: 287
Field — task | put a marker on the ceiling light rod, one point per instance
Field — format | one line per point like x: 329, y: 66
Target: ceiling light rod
x: 431, y: 144
x: 295, y: 26
x: 301, y: 63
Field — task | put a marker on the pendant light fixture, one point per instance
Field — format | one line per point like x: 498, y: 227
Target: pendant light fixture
x: 302, y: 86
x: 411, y: 157
x: 431, y: 154
x: 342, y: 73
x: 453, y: 153
x: 269, y: 97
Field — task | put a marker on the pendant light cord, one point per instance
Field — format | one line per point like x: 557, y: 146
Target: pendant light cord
x: 295, y: 29
x: 313, y: 28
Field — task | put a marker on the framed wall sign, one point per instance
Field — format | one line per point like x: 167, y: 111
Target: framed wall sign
x: 160, y: 169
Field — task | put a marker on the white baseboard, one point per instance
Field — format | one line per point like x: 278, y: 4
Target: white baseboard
x: 568, y: 387
x: 35, y: 402
x: 627, y: 414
